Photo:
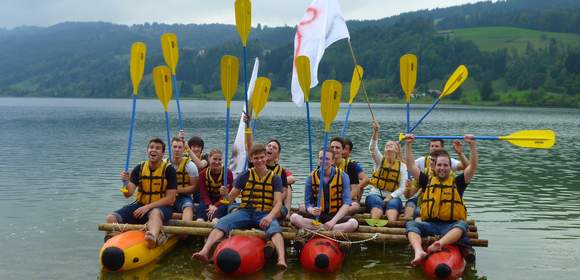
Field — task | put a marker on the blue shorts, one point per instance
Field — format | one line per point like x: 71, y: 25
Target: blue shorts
x: 283, y: 212
x: 182, y: 202
x: 247, y: 219
x: 437, y: 228
x: 375, y: 201
x: 412, y: 202
x: 201, y: 213
x: 125, y: 214
x: 196, y: 196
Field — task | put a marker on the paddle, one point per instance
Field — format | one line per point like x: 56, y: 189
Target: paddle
x: 243, y: 10
x: 259, y: 98
x: 354, y: 87
x: 535, y: 139
x: 456, y: 79
x: 137, y: 66
x: 303, y: 71
x: 408, y: 73
x: 229, y: 67
x: 376, y: 222
x: 171, y: 56
x: 163, y: 90
x: 329, y: 105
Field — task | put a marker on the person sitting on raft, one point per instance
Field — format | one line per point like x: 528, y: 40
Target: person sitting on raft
x: 361, y: 176
x: 187, y: 178
x: 261, y: 192
x: 194, y: 150
x: 212, y: 189
x: 388, y: 180
x: 156, y: 184
x: 443, y: 211
x: 358, y: 179
x: 423, y: 163
x: 332, y: 208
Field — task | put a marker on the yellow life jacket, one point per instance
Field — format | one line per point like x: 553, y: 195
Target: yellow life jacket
x: 152, y: 185
x: 335, y: 193
x: 387, y: 177
x: 258, y: 193
x: 182, y: 175
x: 213, y: 187
x: 441, y: 201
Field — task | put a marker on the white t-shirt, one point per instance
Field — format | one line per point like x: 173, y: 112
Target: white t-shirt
x: 190, y: 168
x: 420, y: 162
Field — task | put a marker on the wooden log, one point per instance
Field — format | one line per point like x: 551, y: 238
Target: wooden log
x: 368, y: 216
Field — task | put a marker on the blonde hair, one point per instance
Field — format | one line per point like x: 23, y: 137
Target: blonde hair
x: 398, y: 155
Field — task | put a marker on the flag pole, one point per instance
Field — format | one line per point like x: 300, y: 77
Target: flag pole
x: 361, y: 79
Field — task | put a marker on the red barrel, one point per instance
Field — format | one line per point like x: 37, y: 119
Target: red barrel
x: 239, y: 255
x: 446, y: 264
x: 321, y: 255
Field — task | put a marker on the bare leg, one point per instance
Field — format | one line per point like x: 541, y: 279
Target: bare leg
x: 111, y: 219
x: 392, y: 215
x: 279, y: 244
x: 154, y: 224
x: 354, y: 208
x: 376, y: 213
x: 449, y: 238
x: 187, y: 214
x: 408, y: 214
x: 301, y: 222
x: 213, y: 237
x: 349, y: 226
x: 415, y: 241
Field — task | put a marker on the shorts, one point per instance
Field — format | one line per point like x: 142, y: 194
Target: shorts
x: 125, y: 214
x: 247, y: 219
x: 412, y: 202
x: 376, y: 201
x: 437, y: 228
x: 182, y: 202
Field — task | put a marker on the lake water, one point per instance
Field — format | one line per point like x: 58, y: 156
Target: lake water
x: 61, y: 159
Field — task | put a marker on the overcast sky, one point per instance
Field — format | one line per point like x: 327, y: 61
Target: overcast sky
x: 267, y: 12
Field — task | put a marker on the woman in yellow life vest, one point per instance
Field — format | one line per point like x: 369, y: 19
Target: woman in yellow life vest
x: 261, y: 192
x: 388, y: 179
x: 187, y: 177
x: 332, y: 207
x: 442, y: 208
x: 156, y: 185
x: 212, y: 189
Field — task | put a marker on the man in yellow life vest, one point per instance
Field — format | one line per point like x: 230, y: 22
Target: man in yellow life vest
x: 156, y: 184
x: 261, y: 192
x: 187, y: 176
x: 332, y: 207
x: 358, y: 179
x: 443, y: 211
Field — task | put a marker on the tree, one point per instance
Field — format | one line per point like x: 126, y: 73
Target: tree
x: 486, y: 91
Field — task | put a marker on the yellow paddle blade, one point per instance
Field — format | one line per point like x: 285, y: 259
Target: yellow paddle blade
x: 243, y: 19
x: 456, y: 79
x: 408, y: 73
x: 170, y: 50
x: 330, y: 101
x: 536, y: 139
x: 401, y: 137
x: 357, y: 75
x: 376, y: 222
x: 163, y: 86
x: 137, y: 64
x: 229, y: 66
x: 260, y: 95
x: 303, y: 71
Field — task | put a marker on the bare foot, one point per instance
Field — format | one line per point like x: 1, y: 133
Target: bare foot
x: 435, y: 247
x: 151, y: 240
x: 282, y: 265
x: 419, y: 257
x: 200, y: 257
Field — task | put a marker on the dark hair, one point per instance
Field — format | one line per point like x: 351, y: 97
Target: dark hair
x: 158, y: 141
x: 338, y: 139
x: 195, y: 141
x: 277, y: 142
x: 440, y: 153
x: 257, y: 148
x: 438, y: 140
x: 347, y: 142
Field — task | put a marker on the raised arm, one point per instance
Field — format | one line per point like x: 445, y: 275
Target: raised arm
x: 473, y: 158
x: 409, y: 157
x: 373, y: 145
x: 464, y: 162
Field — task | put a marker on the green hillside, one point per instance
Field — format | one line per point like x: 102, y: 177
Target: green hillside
x: 495, y: 38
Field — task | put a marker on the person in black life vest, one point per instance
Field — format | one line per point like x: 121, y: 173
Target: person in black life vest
x: 358, y: 179
x: 261, y: 192
x: 156, y: 184
x: 443, y: 211
x: 333, y: 207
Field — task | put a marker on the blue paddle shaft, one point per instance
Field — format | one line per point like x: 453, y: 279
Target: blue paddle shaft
x: 130, y: 136
x: 168, y: 137
x: 322, y: 166
x: 176, y: 91
x: 227, y: 142
x: 408, y: 117
x: 309, y: 135
x: 343, y: 130
x: 456, y: 137
x: 425, y: 115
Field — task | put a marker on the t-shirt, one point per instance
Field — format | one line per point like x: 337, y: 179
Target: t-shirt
x: 190, y: 168
x: 240, y: 183
x: 170, y: 175
x: 353, y: 168
x: 420, y: 162
x: 459, y: 182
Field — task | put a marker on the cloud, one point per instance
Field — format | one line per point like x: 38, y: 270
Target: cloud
x: 267, y: 12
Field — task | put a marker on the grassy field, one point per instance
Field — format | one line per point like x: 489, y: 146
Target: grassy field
x: 493, y: 38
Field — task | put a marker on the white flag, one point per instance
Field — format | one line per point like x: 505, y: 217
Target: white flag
x: 238, y: 158
x: 321, y: 26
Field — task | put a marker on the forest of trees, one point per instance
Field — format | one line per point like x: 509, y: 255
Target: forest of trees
x: 91, y: 59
